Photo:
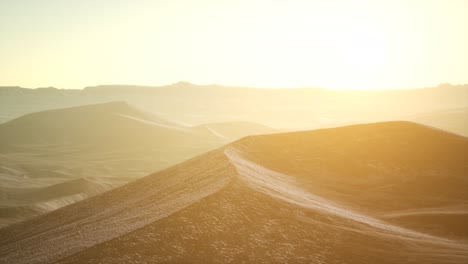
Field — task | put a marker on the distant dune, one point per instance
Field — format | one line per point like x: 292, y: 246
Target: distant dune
x: 454, y: 120
x: 18, y: 204
x: 96, y: 125
x: 324, y: 196
x: 57, y: 157
x: 237, y: 130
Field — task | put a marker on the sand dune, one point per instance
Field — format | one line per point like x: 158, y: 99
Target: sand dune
x: 282, y: 186
x: 71, y: 187
x: 57, y: 157
x: 97, y: 125
x: 272, y: 198
x: 141, y: 203
x: 86, y: 150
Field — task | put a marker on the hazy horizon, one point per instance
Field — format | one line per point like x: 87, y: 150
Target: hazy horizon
x: 444, y: 84
x: 358, y: 44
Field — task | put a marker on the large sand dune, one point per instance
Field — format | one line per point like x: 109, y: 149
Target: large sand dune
x: 342, y: 195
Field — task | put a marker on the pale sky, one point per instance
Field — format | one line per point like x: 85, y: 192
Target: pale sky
x: 365, y: 44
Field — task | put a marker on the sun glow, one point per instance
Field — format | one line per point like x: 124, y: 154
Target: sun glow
x: 344, y: 53
x: 360, y: 44
x: 362, y: 57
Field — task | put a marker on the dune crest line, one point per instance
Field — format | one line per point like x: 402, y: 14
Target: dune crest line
x: 282, y: 186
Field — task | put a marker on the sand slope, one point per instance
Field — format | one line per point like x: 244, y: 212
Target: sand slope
x: 57, y: 157
x: 325, y: 196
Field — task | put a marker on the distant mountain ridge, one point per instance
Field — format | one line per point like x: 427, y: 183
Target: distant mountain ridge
x: 301, y: 108
x: 188, y: 84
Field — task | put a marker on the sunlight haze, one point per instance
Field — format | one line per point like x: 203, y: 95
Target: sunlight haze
x: 329, y: 44
x: 234, y: 131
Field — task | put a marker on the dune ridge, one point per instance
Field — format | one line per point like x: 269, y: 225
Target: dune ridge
x: 282, y: 186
